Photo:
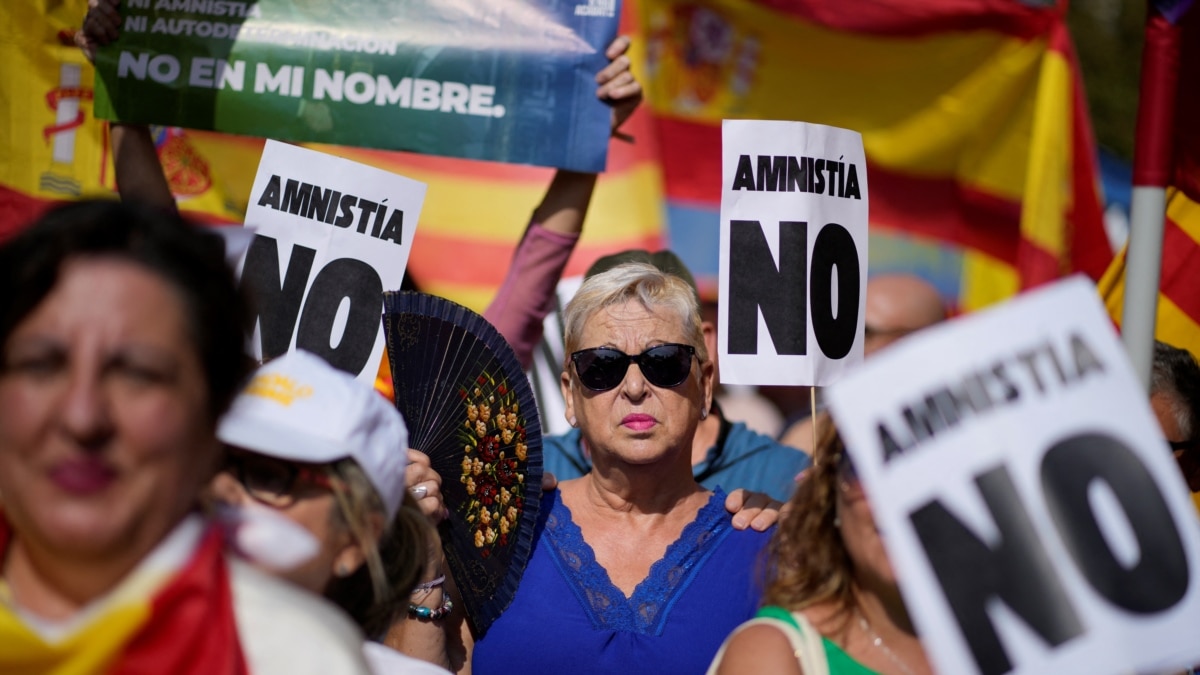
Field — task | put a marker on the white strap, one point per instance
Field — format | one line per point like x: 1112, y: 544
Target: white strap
x: 806, y: 644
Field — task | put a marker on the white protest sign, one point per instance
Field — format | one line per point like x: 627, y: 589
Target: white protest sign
x: 793, y: 259
x: 1031, y: 510
x: 331, y: 236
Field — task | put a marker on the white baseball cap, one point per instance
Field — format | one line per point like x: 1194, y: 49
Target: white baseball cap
x: 299, y: 408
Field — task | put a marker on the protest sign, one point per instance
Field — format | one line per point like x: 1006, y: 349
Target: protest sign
x: 793, y: 259
x: 1030, y: 508
x: 331, y: 235
x: 505, y: 81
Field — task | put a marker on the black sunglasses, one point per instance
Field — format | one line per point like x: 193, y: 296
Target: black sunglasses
x: 602, y: 368
x: 273, y: 481
x: 1180, y: 446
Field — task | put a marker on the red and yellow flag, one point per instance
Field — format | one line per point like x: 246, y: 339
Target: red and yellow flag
x: 55, y: 149
x: 159, y: 619
x: 981, y: 162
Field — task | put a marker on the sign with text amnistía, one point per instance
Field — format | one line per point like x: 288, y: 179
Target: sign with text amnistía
x: 1029, y: 505
x: 793, y: 258
x: 504, y: 80
x: 331, y: 236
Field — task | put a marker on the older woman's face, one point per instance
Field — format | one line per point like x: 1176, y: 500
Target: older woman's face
x: 636, y: 421
x: 105, y: 437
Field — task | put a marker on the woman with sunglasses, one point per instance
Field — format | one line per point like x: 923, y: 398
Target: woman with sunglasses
x: 313, y: 445
x: 635, y: 566
x: 832, y: 597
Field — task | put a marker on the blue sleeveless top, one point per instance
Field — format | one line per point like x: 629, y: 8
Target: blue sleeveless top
x: 568, y: 617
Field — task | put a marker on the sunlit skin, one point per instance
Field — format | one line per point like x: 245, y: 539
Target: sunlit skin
x: 1169, y: 422
x: 313, y: 509
x: 105, y: 436
x: 861, y: 537
x: 896, y: 306
x: 636, y: 422
x: 640, y: 492
x: 765, y: 649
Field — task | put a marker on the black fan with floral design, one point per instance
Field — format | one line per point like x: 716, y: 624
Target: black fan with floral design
x: 469, y: 406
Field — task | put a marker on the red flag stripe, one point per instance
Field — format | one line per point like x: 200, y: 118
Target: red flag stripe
x: 940, y: 208
x: 914, y: 19
x: 1181, y: 259
x: 485, y: 264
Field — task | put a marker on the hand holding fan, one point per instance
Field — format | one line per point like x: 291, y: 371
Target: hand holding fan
x: 469, y: 406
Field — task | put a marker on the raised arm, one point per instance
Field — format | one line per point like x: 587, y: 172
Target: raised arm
x: 139, y: 173
x: 527, y: 294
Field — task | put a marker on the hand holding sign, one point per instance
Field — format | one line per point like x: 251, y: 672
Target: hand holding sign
x: 1032, y: 514
x: 332, y: 235
x: 509, y: 81
x: 793, y: 252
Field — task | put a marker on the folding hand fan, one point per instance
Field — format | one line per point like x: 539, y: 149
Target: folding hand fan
x: 469, y: 406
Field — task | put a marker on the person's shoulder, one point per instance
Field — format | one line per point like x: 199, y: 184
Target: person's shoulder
x: 758, y: 647
x: 285, y: 629
x: 568, y: 442
x: 742, y: 440
x: 387, y: 661
x: 563, y: 455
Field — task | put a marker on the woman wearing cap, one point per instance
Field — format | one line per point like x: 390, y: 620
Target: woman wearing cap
x: 121, y: 339
x: 312, y: 444
x: 832, y: 595
x: 635, y: 566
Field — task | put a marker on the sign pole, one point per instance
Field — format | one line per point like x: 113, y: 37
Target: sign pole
x: 1152, y: 168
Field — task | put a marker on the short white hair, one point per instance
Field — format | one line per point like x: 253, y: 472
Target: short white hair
x: 653, y: 288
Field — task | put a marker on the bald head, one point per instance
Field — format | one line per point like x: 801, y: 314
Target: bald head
x: 899, y: 304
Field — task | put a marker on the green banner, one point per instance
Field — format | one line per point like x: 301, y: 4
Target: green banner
x: 503, y: 80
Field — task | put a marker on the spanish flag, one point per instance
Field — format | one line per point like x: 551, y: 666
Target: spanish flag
x: 982, y: 169
x: 55, y: 149
x: 156, y: 621
x: 1178, y: 315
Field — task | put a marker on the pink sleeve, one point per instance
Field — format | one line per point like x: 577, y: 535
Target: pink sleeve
x: 527, y: 294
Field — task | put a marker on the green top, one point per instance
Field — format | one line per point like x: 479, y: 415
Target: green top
x: 840, y: 663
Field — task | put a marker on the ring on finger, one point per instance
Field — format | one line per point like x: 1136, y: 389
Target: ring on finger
x: 419, y: 491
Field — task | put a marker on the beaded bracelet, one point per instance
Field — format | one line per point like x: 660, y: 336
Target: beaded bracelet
x: 426, y: 614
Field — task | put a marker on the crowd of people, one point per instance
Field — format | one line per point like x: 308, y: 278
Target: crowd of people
x: 167, y: 506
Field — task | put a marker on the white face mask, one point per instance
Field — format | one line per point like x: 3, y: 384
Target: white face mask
x: 266, y: 538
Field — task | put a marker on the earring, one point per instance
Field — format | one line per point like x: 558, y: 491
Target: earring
x: 704, y: 413
x: 572, y: 421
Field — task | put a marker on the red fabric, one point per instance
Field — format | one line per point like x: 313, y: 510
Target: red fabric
x: 17, y: 210
x: 192, y: 629
x: 938, y: 208
x: 1181, y: 259
x: 1187, y: 115
x: 912, y: 18
x: 1090, y: 251
x: 1156, y: 103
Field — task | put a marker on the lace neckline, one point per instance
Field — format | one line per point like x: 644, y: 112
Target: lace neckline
x: 647, y: 609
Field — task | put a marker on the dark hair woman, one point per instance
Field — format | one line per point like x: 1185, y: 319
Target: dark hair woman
x: 121, y: 339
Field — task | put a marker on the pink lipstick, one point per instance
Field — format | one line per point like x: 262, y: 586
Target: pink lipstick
x: 83, y: 475
x: 638, y: 421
